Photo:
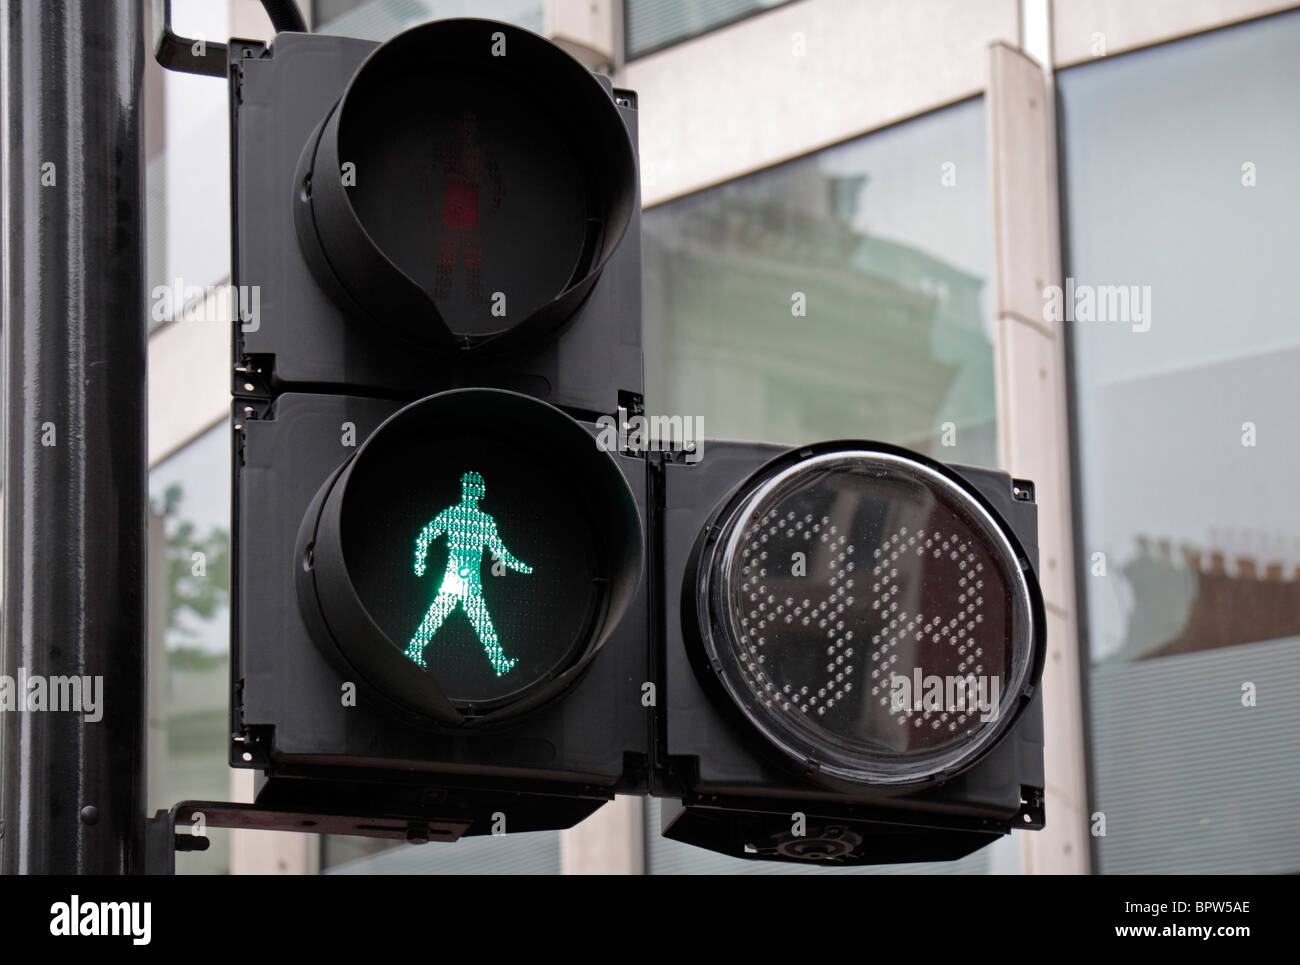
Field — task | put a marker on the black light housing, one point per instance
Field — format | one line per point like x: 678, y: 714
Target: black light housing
x: 829, y: 565
x: 555, y: 499
x: 468, y: 188
x: 792, y: 757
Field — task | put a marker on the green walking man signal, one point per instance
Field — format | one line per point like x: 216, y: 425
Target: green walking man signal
x: 469, y: 531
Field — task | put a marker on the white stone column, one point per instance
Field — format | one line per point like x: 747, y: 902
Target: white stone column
x: 610, y: 842
x: 1033, y: 434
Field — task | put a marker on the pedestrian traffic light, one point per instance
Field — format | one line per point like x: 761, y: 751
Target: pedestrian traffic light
x: 853, y: 638
x: 476, y: 502
x: 457, y: 609
x: 468, y: 200
x: 432, y: 212
x: 439, y: 612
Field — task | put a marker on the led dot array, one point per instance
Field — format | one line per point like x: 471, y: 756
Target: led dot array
x: 957, y: 632
x: 767, y: 611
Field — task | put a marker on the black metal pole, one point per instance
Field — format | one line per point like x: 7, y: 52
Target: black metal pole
x: 71, y: 786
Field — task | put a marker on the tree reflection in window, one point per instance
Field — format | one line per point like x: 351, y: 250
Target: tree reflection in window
x: 189, y: 672
x: 198, y: 570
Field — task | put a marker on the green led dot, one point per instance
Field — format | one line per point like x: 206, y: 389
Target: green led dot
x: 469, y: 531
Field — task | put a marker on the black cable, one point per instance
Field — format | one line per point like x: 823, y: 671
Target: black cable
x: 285, y: 15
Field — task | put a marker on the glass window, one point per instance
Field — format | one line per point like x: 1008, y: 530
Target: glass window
x: 841, y: 295
x: 381, y: 19
x: 187, y: 184
x: 189, y: 639
x: 325, y: 11
x: 534, y: 853
x: 844, y: 294
x: 650, y: 25
x: 1181, y: 192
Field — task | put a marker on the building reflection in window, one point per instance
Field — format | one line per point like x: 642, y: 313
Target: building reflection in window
x: 1189, y: 447
x: 841, y: 295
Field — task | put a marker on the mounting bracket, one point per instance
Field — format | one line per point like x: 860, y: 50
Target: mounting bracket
x: 182, y: 54
x: 163, y: 840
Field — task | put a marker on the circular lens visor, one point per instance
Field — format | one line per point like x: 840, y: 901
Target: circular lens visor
x: 473, y: 555
x: 869, y: 615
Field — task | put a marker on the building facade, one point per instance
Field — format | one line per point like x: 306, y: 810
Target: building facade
x: 1049, y: 236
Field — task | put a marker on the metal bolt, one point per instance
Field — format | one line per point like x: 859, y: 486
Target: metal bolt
x: 417, y: 835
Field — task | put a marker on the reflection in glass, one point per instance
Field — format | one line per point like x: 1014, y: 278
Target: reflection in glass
x: 381, y: 19
x: 841, y: 295
x: 653, y: 24
x: 188, y: 183
x: 1174, y: 167
x: 189, y: 674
